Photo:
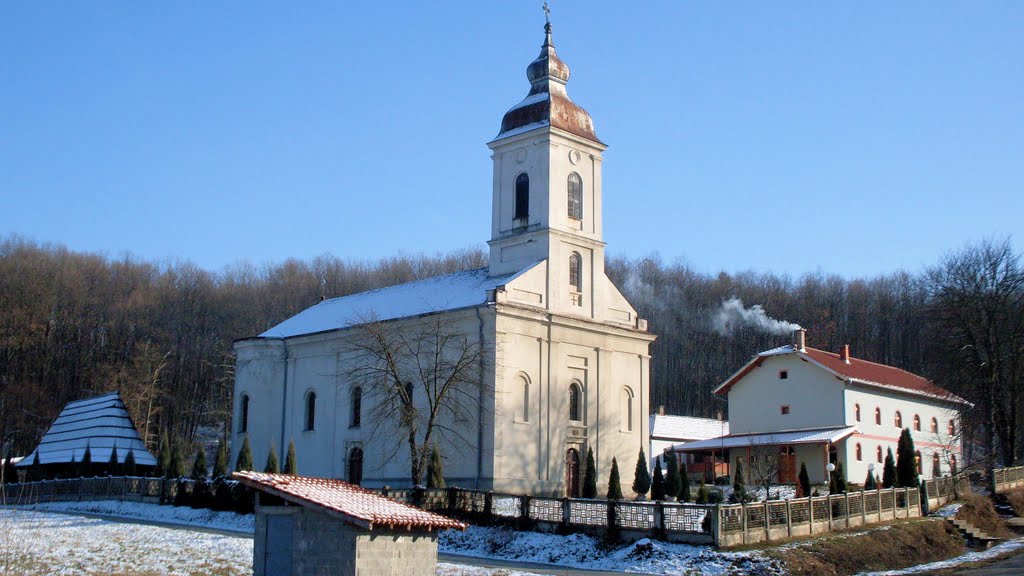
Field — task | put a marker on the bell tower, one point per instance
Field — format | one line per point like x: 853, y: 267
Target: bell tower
x: 547, y: 188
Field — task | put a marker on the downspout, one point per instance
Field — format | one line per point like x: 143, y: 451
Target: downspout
x: 284, y: 393
x: 480, y: 404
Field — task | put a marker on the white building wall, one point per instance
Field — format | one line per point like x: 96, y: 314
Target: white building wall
x: 814, y: 398
x: 886, y: 435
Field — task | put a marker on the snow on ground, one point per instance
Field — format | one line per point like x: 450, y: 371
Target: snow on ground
x: 35, y: 543
x: 992, y: 552
x: 180, y: 515
x: 947, y: 511
x: 586, y: 552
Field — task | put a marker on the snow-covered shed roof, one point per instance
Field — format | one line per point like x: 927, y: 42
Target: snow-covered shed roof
x: 354, y: 505
x: 808, y: 436
x: 101, y: 423
x: 448, y: 292
x: 685, y: 428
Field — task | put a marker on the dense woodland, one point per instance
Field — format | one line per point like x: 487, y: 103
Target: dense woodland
x: 75, y: 324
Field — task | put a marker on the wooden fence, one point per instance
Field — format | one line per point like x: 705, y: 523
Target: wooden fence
x: 127, y: 488
x: 1008, y: 478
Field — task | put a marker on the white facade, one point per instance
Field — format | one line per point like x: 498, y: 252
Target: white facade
x: 545, y: 311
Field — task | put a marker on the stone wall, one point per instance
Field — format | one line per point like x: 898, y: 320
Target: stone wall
x: 324, y: 544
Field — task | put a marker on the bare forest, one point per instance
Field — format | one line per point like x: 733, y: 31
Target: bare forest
x: 76, y: 324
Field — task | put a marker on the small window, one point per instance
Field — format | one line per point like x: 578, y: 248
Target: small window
x: 878, y: 416
x: 574, y: 402
x: 878, y: 454
x: 576, y: 278
x: 243, y: 416
x: 917, y: 461
x: 355, y: 466
x: 784, y: 409
x: 856, y: 412
x: 935, y: 426
x: 860, y: 454
x: 575, y: 194
x: 936, y: 466
x: 310, y: 410
x: 522, y: 197
x: 898, y: 420
x: 917, y: 423
x: 952, y: 465
x: 952, y: 428
x: 356, y: 418
x: 783, y: 374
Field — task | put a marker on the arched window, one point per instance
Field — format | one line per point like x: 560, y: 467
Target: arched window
x: 917, y: 461
x: 626, y: 410
x: 575, y: 394
x: 856, y: 412
x: 898, y: 420
x: 917, y: 423
x: 575, y: 193
x: 878, y: 454
x: 576, y: 278
x: 936, y: 466
x: 878, y: 416
x: 860, y: 454
x: 356, y: 417
x: 935, y: 426
x: 310, y: 410
x: 522, y: 197
x: 355, y: 466
x: 952, y: 428
x: 952, y: 465
x: 523, y: 384
x: 243, y: 414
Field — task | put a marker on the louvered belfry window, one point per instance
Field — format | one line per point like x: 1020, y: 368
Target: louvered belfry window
x: 575, y: 187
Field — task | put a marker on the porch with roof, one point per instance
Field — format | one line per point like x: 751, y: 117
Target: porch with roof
x: 815, y: 447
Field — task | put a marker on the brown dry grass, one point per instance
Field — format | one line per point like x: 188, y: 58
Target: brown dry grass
x: 1016, y: 499
x: 978, y: 510
x: 899, y: 546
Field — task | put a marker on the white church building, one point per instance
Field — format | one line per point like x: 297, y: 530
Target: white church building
x: 565, y: 361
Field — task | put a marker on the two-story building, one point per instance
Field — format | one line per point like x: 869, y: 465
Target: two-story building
x: 796, y: 404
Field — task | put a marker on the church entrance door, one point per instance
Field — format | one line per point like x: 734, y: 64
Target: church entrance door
x: 572, y: 473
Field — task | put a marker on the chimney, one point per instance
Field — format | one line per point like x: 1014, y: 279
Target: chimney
x: 661, y: 410
x: 800, y: 339
x: 844, y: 355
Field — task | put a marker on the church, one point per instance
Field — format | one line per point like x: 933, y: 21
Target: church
x: 515, y: 369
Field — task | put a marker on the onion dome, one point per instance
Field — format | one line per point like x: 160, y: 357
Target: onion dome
x: 547, y: 103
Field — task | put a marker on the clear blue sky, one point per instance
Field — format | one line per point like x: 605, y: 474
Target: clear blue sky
x: 847, y: 137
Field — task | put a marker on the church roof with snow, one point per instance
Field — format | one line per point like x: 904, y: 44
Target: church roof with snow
x: 101, y: 423
x: 448, y: 292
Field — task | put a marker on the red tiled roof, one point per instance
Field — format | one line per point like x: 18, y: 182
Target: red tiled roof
x: 864, y: 371
x: 355, y: 505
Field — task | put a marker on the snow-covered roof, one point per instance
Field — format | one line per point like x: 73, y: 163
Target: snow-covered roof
x: 101, y: 423
x: 353, y: 504
x: 448, y: 292
x: 684, y: 428
x: 808, y: 436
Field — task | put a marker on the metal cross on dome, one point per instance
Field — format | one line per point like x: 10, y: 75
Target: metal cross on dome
x: 547, y: 13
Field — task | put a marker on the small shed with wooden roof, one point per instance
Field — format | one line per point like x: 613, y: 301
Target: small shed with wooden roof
x: 311, y: 526
x: 100, y: 425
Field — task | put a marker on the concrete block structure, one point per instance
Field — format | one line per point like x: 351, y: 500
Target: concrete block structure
x: 317, y: 526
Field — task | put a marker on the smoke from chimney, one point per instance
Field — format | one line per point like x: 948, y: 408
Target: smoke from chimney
x: 733, y: 315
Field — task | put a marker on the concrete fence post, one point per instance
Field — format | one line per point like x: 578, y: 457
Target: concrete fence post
x: 743, y: 524
x: 846, y: 506
x: 566, y: 512
x: 716, y: 525
x: 767, y: 523
x: 789, y: 518
x: 810, y: 514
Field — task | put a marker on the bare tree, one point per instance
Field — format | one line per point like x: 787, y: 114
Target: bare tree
x: 425, y: 378
x: 764, y: 467
x: 977, y: 307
